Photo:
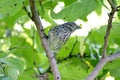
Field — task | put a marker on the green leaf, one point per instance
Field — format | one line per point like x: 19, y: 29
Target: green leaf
x: 99, y: 7
x: 82, y: 46
x: 77, y: 10
x: 118, y: 14
x: 113, y: 67
x: 4, y: 78
x: 44, y: 9
x: 113, y: 64
x: 117, y: 78
x: 73, y: 69
x: 12, y: 73
x: 68, y: 2
x: 117, y: 2
x: 71, y: 47
x: 14, y: 67
x: 9, y: 7
x: 28, y: 74
x: 29, y: 53
x: 115, y: 72
x: 18, y: 63
x: 97, y: 35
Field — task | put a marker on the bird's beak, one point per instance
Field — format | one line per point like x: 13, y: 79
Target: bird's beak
x: 80, y: 26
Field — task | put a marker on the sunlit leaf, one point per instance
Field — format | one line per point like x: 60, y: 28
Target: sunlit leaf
x: 82, y: 46
x: 77, y: 10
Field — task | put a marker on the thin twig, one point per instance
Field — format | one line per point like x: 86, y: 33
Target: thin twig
x: 108, y: 27
x: 37, y: 21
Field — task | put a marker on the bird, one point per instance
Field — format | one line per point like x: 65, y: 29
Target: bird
x: 58, y: 35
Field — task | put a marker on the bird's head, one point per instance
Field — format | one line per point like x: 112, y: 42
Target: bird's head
x: 72, y: 26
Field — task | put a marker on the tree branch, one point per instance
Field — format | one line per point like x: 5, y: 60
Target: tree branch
x: 37, y: 21
x: 101, y: 64
x: 113, y: 7
x: 105, y: 59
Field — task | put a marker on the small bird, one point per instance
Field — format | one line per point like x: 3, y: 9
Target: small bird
x: 59, y: 35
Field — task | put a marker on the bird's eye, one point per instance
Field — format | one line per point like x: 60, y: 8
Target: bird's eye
x: 70, y: 24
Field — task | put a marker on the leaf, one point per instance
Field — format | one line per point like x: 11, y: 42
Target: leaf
x: 117, y: 2
x: 10, y: 7
x: 73, y: 69
x: 28, y: 75
x: 44, y: 9
x: 12, y: 73
x: 82, y: 46
x: 71, y: 47
x: 29, y: 54
x: 4, y: 78
x: 18, y: 63
x: 68, y: 2
x: 113, y: 67
x: 14, y: 67
x: 115, y: 72
x: 97, y: 35
x: 117, y: 78
x: 118, y: 14
x: 77, y: 10
x: 113, y: 64
x: 99, y: 7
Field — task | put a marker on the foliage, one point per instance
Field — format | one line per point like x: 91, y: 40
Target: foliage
x: 22, y: 56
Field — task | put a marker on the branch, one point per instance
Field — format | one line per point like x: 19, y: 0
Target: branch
x: 113, y: 7
x: 37, y: 21
x: 105, y: 59
x: 101, y: 64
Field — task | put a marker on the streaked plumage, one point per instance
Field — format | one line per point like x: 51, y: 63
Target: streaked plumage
x: 59, y: 35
